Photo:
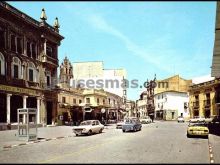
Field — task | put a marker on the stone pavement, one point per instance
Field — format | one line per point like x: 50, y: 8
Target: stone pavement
x: 8, y: 138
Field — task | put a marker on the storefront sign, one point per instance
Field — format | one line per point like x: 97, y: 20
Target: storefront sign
x: 18, y: 90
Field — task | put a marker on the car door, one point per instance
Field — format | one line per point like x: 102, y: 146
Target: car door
x: 93, y: 127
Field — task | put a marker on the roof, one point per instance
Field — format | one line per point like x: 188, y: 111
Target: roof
x: 27, y: 18
x: 173, y: 91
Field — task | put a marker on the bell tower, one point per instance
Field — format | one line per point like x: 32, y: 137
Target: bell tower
x: 66, y: 73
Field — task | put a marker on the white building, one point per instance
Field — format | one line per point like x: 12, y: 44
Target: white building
x: 142, y: 104
x: 171, y: 104
x: 93, y: 75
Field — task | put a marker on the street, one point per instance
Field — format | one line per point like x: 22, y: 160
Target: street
x: 159, y: 142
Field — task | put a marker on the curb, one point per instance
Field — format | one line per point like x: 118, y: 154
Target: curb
x: 5, y: 147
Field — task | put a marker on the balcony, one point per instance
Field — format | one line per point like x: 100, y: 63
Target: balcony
x: 207, y: 103
x: 195, y: 104
x: 50, y: 60
x: 18, y: 82
x: 33, y: 84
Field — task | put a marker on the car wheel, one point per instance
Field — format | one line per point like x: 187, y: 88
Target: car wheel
x: 77, y: 134
x: 100, y: 131
x: 123, y: 130
x: 134, y: 129
x: 90, y: 132
x: 189, y: 136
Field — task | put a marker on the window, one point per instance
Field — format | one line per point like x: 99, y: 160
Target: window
x: 19, y: 45
x: 32, y: 72
x: 2, y: 64
x: 159, y: 84
x: 2, y: 40
x: 31, y: 75
x: 167, y: 84
x: 48, y: 80
x: 49, y: 51
x: 16, y: 68
x: 63, y: 99
x: 162, y: 84
x: 15, y: 71
x: 13, y: 46
x: 74, y: 101
x: 88, y: 100
x: 103, y: 101
x: 109, y: 100
x: 114, y: 102
x: 33, y: 49
x: 158, y: 105
x: 80, y: 101
x: 97, y: 100
x: 28, y: 49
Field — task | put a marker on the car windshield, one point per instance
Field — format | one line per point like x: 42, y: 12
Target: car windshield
x: 86, y: 123
x: 129, y: 121
x: 197, y: 124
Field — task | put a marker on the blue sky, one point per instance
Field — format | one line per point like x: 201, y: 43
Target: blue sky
x: 145, y: 38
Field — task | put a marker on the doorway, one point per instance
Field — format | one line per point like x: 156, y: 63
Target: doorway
x: 16, y: 102
x: 173, y: 115
x: 3, y: 108
x: 49, y: 112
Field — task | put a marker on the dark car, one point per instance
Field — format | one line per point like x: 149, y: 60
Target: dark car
x: 131, y: 124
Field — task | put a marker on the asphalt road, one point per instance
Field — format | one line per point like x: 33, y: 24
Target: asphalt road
x: 159, y: 142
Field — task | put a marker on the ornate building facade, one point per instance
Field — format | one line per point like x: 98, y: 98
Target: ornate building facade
x: 205, y: 99
x: 28, y: 64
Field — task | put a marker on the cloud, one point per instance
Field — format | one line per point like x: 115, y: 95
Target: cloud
x: 100, y: 23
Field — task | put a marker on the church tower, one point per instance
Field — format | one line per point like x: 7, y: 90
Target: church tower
x: 66, y: 73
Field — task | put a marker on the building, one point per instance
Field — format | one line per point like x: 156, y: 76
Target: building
x: 108, y: 79
x: 171, y: 104
x: 142, y: 105
x: 215, y: 69
x: 28, y: 64
x: 204, y: 99
x: 76, y: 104
x: 130, y: 108
x: 174, y: 83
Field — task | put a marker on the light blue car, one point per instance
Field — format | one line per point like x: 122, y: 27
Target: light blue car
x: 131, y: 124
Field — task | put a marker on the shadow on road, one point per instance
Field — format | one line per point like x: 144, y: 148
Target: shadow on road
x: 214, y: 128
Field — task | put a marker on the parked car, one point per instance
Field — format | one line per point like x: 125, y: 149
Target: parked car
x: 216, y: 119
x: 180, y: 119
x: 213, y: 119
x: 145, y: 120
x: 197, y: 129
x: 131, y: 124
x: 197, y: 119
x: 88, y: 127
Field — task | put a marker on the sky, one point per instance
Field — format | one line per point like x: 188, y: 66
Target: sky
x: 145, y: 38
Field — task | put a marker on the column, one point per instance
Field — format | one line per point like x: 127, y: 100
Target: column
x: 38, y: 110
x: 24, y: 106
x: 8, y: 108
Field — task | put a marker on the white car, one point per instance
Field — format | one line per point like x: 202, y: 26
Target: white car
x: 119, y: 124
x: 88, y: 127
x: 180, y: 119
x: 145, y: 120
x: 197, y: 119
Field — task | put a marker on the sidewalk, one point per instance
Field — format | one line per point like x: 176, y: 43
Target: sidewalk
x: 8, y: 138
